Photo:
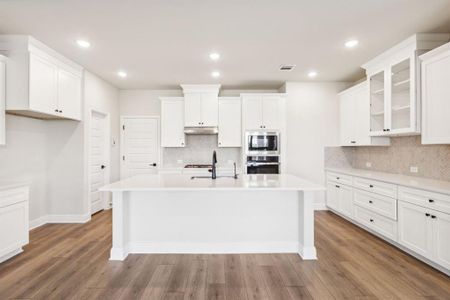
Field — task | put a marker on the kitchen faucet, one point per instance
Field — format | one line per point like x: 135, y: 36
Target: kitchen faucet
x: 213, y: 169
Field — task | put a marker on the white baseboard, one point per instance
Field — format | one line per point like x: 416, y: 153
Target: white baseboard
x: 59, y: 219
x: 320, y: 206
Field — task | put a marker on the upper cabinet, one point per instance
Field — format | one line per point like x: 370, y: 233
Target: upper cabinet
x: 41, y: 83
x: 230, y: 134
x: 354, y: 107
x: 201, y: 105
x: 436, y: 96
x: 2, y: 98
x: 262, y: 111
x: 172, y: 122
x: 394, y: 86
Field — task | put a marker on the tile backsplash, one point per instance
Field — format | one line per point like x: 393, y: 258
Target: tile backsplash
x: 431, y: 161
x: 198, y: 150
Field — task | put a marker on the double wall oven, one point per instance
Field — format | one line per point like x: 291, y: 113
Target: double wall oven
x: 262, y: 149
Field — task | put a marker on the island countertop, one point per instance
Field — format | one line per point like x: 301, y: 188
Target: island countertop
x: 183, y: 182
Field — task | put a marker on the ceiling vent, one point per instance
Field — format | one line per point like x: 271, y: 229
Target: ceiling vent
x: 287, y: 67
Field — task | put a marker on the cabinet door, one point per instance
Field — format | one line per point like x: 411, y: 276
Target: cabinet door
x: 345, y: 196
x: 362, y: 110
x: 230, y: 134
x: 414, y: 228
x: 209, y: 109
x: 332, y: 195
x: 441, y: 238
x: 172, y: 123
x: 43, y: 85
x: 435, y: 99
x: 252, y: 113
x: 347, y: 119
x: 69, y: 94
x: 2, y: 101
x: 193, y: 110
x: 378, y: 116
x: 13, y: 227
x: 271, y: 107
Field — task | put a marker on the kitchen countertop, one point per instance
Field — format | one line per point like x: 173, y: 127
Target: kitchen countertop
x: 177, y: 182
x: 432, y: 185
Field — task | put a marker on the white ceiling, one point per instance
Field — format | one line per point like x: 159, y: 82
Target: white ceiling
x: 164, y: 43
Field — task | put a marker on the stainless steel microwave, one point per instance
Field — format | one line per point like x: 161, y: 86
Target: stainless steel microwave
x: 262, y: 143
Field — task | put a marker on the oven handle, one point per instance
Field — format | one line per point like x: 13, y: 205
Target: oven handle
x: 262, y: 164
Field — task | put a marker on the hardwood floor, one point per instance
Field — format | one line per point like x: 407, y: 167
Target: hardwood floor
x: 70, y: 261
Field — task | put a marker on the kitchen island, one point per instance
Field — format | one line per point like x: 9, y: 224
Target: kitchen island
x: 171, y: 213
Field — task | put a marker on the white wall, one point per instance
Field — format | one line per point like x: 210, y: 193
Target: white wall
x: 312, y: 124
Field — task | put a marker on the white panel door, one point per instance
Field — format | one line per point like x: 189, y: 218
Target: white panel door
x: 441, y: 238
x: 43, y: 85
x: 414, y: 228
x: 271, y: 107
x: 172, y: 123
x: 210, y: 109
x: 98, y: 164
x: 252, y: 113
x: 140, y: 146
x: 2, y: 101
x: 69, y: 94
x: 193, y: 110
x: 230, y: 134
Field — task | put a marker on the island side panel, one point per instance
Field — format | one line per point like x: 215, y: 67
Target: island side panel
x: 120, y: 223
x: 307, y: 250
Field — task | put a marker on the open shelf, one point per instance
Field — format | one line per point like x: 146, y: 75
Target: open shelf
x: 377, y: 92
x: 403, y: 82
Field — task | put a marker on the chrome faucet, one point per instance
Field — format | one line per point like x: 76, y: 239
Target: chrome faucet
x: 213, y: 169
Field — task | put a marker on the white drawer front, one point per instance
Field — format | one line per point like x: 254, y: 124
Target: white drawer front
x: 341, y: 178
x: 12, y: 196
x: 382, y: 188
x: 436, y: 201
x: 376, y: 222
x: 13, y: 227
x: 382, y: 205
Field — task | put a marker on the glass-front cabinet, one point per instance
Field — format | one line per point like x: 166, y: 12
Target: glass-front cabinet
x: 393, y: 99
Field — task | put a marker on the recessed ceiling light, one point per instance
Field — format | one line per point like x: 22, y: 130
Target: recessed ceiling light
x: 214, y: 56
x: 215, y: 74
x: 122, y: 74
x: 83, y: 43
x: 351, y: 43
x: 312, y: 74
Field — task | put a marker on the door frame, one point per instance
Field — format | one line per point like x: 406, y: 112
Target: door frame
x: 106, y: 197
x: 158, y: 138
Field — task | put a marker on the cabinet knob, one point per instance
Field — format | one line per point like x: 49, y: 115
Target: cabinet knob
x: 153, y: 165
x: 427, y: 214
x: 353, y: 142
x: 433, y: 217
x: 370, y: 201
x: 371, y: 220
x: 430, y: 200
x: 371, y: 186
x: 338, y: 178
x: 56, y: 110
x: 337, y: 186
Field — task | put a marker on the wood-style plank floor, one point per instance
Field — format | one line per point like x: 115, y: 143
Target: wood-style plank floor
x: 70, y: 261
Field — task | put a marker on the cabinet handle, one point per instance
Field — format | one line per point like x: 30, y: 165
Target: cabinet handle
x: 371, y: 220
x: 370, y: 201
x: 388, y: 129
x: 220, y: 143
x: 337, y: 186
x: 427, y: 214
x: 352, y: 142
x: 433, y: 217
x: 182, y: 143
x: 56, y: 110
x: 337, y: 178
x: 371, y: 186
x: 60, y: 111
x: 430, y: 200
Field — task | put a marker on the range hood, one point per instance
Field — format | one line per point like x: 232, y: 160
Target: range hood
x: 201, y: 130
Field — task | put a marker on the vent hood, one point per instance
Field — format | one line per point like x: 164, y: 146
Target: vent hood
x: 201, y: 130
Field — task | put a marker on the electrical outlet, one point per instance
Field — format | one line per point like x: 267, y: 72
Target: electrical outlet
x: 368, y: 164
x: 413, y: 169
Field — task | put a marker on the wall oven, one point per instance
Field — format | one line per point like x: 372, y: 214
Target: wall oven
x: 263, y: 165
x: 258, y: 143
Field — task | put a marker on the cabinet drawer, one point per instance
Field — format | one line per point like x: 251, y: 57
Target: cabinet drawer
x: 376, y: 222
x: 436, y: 201
x: 379, y: 204
x: 382, y: 188
x: 341, y: 178
x: 13, y: 196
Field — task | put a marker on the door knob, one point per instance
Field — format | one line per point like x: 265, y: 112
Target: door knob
x: 103, y: 166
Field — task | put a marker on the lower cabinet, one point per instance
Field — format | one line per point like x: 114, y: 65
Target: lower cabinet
x: 340, y: 198
x: 425, y: 231
x: 14, y: 222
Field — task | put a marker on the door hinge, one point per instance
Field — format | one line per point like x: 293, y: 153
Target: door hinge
x: 123, y: 127
x: 123, y: 157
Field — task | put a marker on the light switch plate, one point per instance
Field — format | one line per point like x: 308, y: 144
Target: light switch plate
x: 368, y: 164
x: 413, y: 169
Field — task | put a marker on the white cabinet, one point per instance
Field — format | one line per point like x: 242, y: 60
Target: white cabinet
x: 230, y: 134
x: 441, y: 240
x: 262, y: 111
x: 40, y: 82
x: 201, y: 105
x: 14, y: 222
x: 332, y: 196
x: 354, y: 107
x: 2, y: 99
x: 340, y: 198
x: 172, y: 122
x: 393, y: 79
x: 436, y: 95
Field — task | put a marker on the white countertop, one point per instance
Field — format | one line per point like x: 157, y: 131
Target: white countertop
x: 433, y: 185
x: 184, y: 182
